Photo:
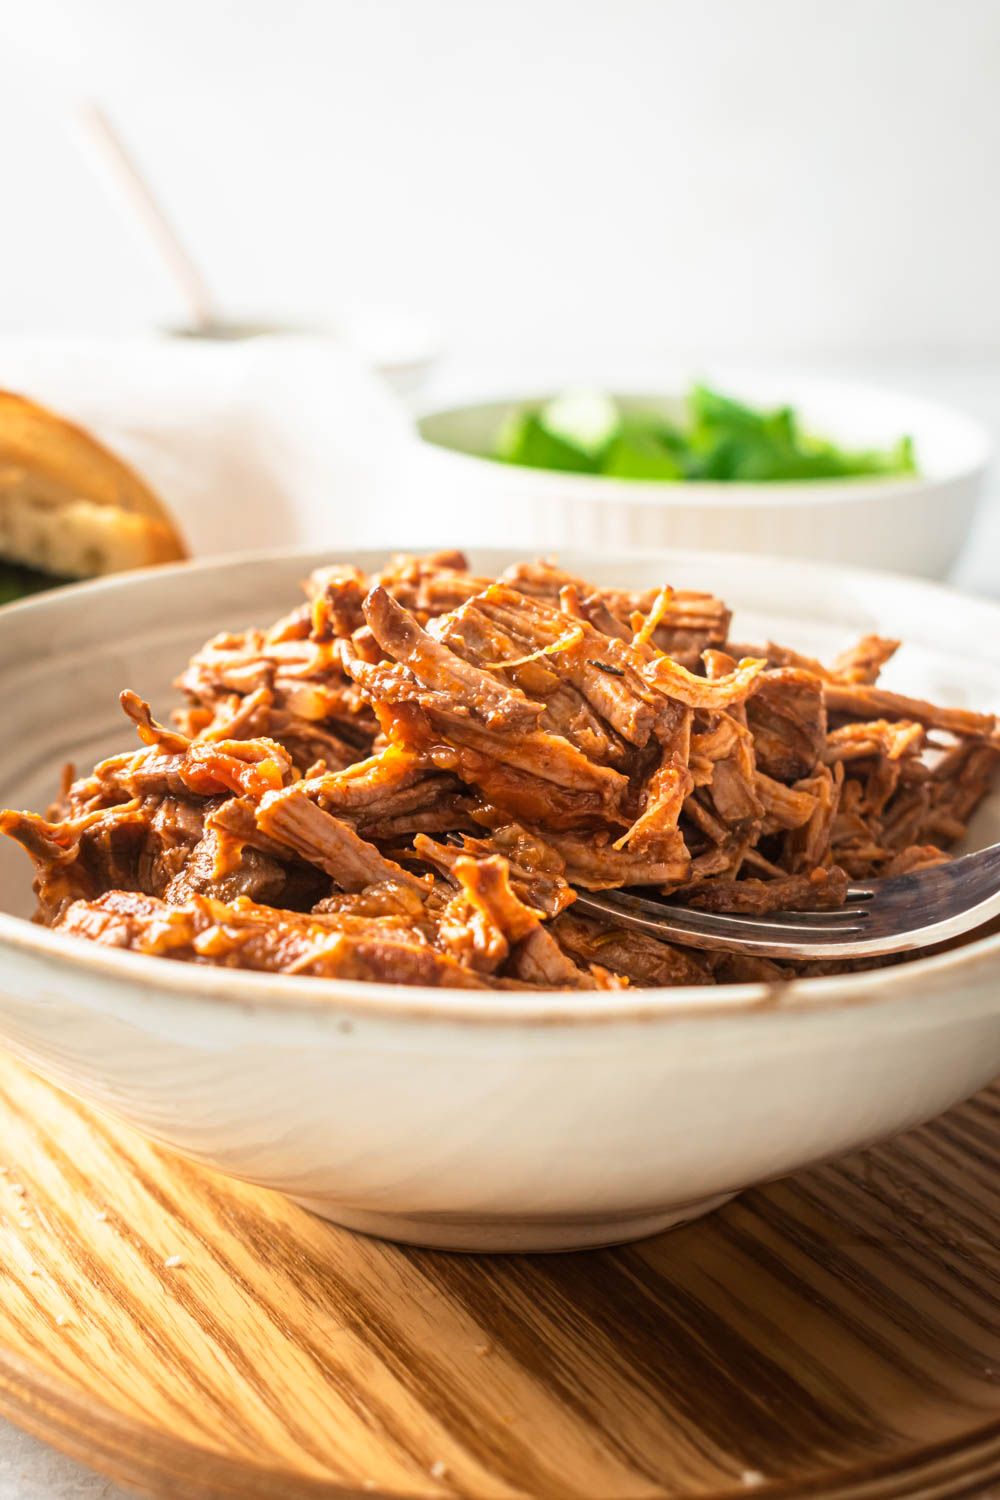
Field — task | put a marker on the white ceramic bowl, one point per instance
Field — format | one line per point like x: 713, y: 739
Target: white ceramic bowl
x: 478, y: 1120
x: 915, y: 524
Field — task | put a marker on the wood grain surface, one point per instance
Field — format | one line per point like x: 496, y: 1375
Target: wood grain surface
x: 836, y: 1334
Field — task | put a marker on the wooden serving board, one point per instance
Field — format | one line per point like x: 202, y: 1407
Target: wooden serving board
x: 838, y: 1334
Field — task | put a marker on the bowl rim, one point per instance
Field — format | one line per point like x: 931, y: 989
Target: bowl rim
x: 974, y: 435
x: 327, y: 1001
x: 305, y: 995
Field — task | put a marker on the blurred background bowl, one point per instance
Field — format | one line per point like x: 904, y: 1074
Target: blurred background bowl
x: 908, y: 524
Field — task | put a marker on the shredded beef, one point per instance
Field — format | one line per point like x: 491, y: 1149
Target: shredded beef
x: 407, y: 777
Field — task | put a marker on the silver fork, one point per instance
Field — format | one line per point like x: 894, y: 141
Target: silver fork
x: 879, y: 917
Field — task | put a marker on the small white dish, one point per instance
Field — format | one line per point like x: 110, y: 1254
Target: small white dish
x: 479, y: 1120
x: 912, y: 524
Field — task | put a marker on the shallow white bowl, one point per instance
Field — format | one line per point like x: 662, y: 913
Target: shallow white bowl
x: 914, y: 524
x: 478, y: 1120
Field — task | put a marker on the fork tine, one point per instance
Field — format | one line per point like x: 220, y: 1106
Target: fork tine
x: 853, y: 916
x: 736, y: 922
x: 900, y: 914
x: 770, y: 936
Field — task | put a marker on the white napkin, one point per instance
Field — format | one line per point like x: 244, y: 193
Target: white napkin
x: 272, y: 442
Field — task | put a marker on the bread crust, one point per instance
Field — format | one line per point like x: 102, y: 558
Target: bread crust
x: 68, y: 505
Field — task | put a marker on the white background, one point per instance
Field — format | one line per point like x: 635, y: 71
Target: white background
x: 557, y: 182
x: 692, y: 177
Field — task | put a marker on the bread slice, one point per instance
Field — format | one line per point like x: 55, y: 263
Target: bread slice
x: 68, y: 506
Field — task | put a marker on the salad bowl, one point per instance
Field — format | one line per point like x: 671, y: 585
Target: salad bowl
x: 911, y: 523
